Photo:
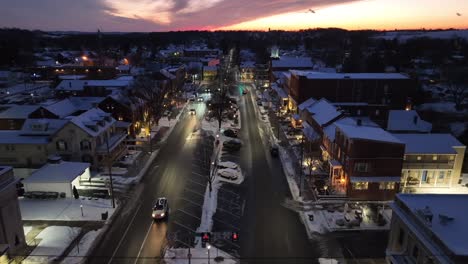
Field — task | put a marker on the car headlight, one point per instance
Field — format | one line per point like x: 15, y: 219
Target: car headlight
x: 154, y: 215
x: 162, y: 215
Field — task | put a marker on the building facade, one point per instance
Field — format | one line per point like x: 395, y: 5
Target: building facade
x: 11, y: 225
x: 428, y: 228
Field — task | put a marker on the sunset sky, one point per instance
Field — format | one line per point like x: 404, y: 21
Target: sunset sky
x: 164, y: 15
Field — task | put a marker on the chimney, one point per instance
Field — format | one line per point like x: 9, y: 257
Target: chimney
x: 359, y: 122
x: 415, y: 119
x: 426, y: 215
x: 54, y: 159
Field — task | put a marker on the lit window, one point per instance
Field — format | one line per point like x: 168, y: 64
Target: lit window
x: 452, y: 157
x: 360, y: 185
x: 434, y: 157
x: 419, y: 158
x: 387, y: 186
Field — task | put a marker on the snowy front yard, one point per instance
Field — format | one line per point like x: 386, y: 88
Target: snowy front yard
x: 65, y: 209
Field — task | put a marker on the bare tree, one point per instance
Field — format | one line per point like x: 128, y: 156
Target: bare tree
x: 457, y: 79
x: 153, y: 93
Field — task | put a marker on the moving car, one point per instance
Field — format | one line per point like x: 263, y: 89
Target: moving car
x: 160, y: 209
x: 192, y: 112
x: 200, y: 99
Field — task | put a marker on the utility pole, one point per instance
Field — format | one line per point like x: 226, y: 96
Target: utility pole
x: 109, y: 167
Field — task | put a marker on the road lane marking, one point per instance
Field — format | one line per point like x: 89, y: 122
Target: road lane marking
x: 143, y: 243
x: 184, y: 226
x: 189, y: 214
x: 125, y: 233
x: 191, y: 202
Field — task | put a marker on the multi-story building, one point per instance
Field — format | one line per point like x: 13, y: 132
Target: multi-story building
x: 247, y: 71
x: 428, y: 228
x: 262, y: 75
x: 364, y: 160
x: 11, y: 225
x: 432, y: 162
x: 390, y: 89
x: 13, y: 118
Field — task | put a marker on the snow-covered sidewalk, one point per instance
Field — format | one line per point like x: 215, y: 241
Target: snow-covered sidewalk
x: 67, y: 209
x: 198, y: 256
x: 78, y: 254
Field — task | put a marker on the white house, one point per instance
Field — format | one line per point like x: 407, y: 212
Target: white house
x: 57, y: 176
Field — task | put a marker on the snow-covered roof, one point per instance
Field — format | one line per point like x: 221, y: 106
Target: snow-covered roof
x: 366, y: 132
x: 356, y: 76
x: 330, y: 130
x: 306, y: 103
x: 247, y: 64
x: 42, y: 126
x: 210, y: 68
x: 78, y: 85
x: 18, y: 112
x: 292, y: 62
x: 281, y: 93
x: 86, y: 103
x: 57, y: 173
x: 451, y: 233
x: 309, y: 132
x: 16, y: 137
x: 71, y: 77
x: 92, y: 119
x: 429, y: 143
x: 71, y: 85
x: 61, y: 108
x: 401, y: 120
x: 323, y: 111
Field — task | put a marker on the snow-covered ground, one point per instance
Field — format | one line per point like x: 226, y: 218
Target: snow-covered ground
x: 443, y: 107
x: 78, y: 253
x: 53, y: 242
x: 27, y: 229
x: 458, y: 128
x: 209, y: 206
x: 67, y: 209
x: 199, y: 256
x: 327, y: 261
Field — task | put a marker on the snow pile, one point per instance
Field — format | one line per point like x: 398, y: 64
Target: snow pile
x: 79, y: 252
x: 54, y: 241
x: 209, y: 207
x: 27, y: 229
x: 199, y: 256
x: 327, y: 261
x: 65, y: 209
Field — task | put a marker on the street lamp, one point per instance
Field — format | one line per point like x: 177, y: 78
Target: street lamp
x: 208, y: 247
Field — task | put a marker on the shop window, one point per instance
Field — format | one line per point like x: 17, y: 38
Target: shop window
x: 360, y: 185
x: 387, y: 185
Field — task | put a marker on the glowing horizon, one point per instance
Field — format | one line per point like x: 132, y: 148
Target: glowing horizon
x: 171, y: 15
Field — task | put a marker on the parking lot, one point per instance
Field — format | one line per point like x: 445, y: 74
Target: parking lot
x: 186, y: 220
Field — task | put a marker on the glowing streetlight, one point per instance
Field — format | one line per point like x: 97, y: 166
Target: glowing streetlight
x: 85, y: 58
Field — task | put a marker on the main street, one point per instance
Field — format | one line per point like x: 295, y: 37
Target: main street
x: 134, y: 237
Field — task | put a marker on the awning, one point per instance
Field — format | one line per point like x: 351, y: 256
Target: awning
x: 376, y: 179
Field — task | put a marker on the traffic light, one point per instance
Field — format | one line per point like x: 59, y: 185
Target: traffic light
x: 234, y: 237
x: 206, y: 237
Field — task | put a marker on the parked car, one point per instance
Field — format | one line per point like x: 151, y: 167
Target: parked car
x: 274, y: 150
x: 232, y: 145
x: 228, y: 165
x: 192, y: 112
x: 259, y: 103
x: 230, y: 133
x: 160, y: 209
x: 230, y: 174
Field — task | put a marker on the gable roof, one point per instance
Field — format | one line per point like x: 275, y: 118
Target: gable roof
x: 61, y: 108
x: 402, y: 120
x: 323, y: 111
x: 330, y: 130
x: 429, y: 143
x: 92, y: 118
x: 18, y: 112
x: 44, y: 127
x: 355, y: 131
